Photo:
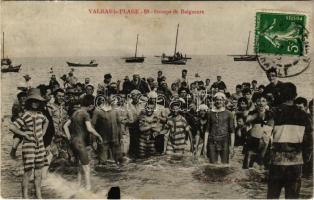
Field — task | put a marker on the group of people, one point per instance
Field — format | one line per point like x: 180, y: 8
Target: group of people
x: 143, y: 117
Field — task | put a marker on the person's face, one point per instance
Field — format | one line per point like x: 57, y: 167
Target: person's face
x: 207, y: 81
x: 219, y: 102
x: 150, y: 109
x: 261, y: 90
x: 248, y: 96
x: 183, y: 94
x: 135, y: 98
x: 136, y: 78
x: 202, y: 113
x: 243, y: 105
x: 272, y: 77
x: 153, y: 100
x: 234, y: 102
x: 59, y: 97
x: 193, y: 86
x: 218, y: 78
x: 114, y: 87
x: 89, y: 90
x: 238, y: 90
x: 35, y: 105
x: 240, y: 122
x: 107, y: 80
x: 261, y: 103
x: 53, y: 77
x: 48, y: 95
x: 22, y: 100
x: 159, y: 74
x: 90, y: 108
x: 87, y: 80
x: 174, y: 87
x: 164, y: 85
x: 175, y: 110
x: 184, y: 73
x: 301, y: 106
x: 254, y: 84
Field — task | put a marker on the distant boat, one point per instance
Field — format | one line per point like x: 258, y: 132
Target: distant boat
x: 177, y: 58
x: 135, y: 59
x: 91, y: 64
x: 245, y: 57
x: 6, y: 63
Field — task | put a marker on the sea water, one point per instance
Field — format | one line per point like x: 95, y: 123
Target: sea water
x: 157, y: 177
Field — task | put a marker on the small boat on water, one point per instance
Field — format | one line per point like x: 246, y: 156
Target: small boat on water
x: 245, y: 57
x: 135, y: 59
x: 177, y: 58
x: 91, y: 64
x: 6, y: 63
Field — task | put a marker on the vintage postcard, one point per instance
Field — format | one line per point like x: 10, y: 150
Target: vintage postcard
x: 157, y: 99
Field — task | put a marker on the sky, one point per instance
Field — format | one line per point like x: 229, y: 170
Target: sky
x: 62, y: 29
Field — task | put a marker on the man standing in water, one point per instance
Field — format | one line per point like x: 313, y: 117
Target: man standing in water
x: 220, y: 129
x: 77, y: 129
x: 292, y: 134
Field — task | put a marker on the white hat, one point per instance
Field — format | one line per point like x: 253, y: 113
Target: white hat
x: 220, y: 94
x: 152, y: 95
x: 203, y: 107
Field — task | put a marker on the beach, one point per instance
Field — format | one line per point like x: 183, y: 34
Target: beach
x: 160, y: 176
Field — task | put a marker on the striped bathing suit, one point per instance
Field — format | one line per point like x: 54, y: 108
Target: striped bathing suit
x: 177, y: 138
x: 147, y: 141
x: 33, y: 153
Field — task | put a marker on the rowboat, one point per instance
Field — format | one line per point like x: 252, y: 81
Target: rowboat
x: 91, y: 64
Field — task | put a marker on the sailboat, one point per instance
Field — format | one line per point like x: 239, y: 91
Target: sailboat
x: 177, y: 58
x: 245, y: 57
x: 135, y: 59
x: 6, y: 63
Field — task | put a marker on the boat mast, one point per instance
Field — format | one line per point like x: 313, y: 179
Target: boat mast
x: 2, y: 45
x: 248, y: 42
x: 175, y: 48
x: 136, y: 46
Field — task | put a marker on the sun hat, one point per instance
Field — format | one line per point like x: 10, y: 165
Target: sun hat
x: 34, y: 94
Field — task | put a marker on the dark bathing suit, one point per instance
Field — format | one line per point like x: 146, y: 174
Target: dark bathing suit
x: 79, y: 134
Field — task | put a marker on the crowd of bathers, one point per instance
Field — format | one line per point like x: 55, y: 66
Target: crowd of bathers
x: 144, y: 117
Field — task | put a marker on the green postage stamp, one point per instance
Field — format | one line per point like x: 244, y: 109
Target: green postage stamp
x: 279, y: 33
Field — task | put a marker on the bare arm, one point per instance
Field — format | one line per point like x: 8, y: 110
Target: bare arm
x: 92, y: 130
x: 17, y: 131
x: 205, y: 141
x: 66, y: 129
x: 166, y: 140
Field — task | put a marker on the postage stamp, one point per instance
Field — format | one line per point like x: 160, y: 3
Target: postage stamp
x: 279, y: 33
x: 282, y: 41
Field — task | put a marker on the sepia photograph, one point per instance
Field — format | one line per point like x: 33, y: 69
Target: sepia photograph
x: 156, y: 99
